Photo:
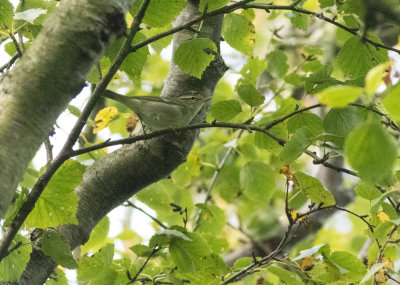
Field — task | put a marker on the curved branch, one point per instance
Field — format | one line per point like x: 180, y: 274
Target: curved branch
x: 40, y: 86
x: 38, y: 188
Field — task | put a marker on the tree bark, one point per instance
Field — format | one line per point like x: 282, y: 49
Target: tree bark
x: 47, y: 77
x: 119, y: 175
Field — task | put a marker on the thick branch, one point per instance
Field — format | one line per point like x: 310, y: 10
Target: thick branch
x: 48, y: 76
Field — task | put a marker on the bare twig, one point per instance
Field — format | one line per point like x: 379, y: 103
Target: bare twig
x: 49, y: 150
x: 16, y: 44
x: 155, y: 249
x: 223, y: 10
x: 322, y: 17
x: 130, y: 204
x: 275, y: 122
x: 9, y: 63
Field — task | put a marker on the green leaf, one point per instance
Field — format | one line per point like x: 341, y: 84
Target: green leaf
x: 249, y: 94
x: 285, y: 275
x: 258, y: 180
x: 12, y: 211
x: 392, y: 102
x: 212, y: 221
x: 159, y: 12
x: 194, y: 56
x: 90, y: 267
x: 296, y: 145
x: 309, y: 120
x: 277, y: 65
x: 98, y: 236
x: 357, y: 58
x: 239, y: 33
x: 338, y: 141
x: 371, y: 272
x: 264, y: 141
x: 133, y: 64
x: 367, y: 191
x: 371, y: 151
x: 326, y: 3
x: 374, y: 78
x: 57, y: 278
x: 342, y: 121
x: 160, y: 195
x: 162, y: 43
x: 381, y: 232
x: 253, y: 69
x: 165, y: 236
x: 6, y: 14
x: 294, y: 79
x: 142, y: 250
x: 225, y: 110
x: 320, y: 80
x: 212, y: 4
x: 29, y: 15
x: 188, y: 255
x: 308, y: 252
x: 74, y: 110
x: 375, y: 207
x: 174, y: 234
x: 356, y: 268
x: 58, y: 203
x: 30, y: 177
x: 315, y: 50
x: 339, y: 96
x: 13, y: 265
x: 242, y: 262
x: 55, y: 246
x: 94, y: 77
x: 314, y: 190
x: 311, y: 66
x: 218, y: 245
x: 298, y: 20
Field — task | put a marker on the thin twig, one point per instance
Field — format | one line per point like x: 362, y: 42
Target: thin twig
x: 151, y: 135
x: 49, y: 149
x: 322, y: 17
x: 16, y: 44
x: 318, y: 160
x: 275, y: 122
x: 223, y: 10
x: 155, y: 249
x: 265, y: 260
x: 21, y: 42
x: 9, y: 63
x: 130, y: 204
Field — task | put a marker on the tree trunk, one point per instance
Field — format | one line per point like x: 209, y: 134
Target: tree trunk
x: 47, y: 77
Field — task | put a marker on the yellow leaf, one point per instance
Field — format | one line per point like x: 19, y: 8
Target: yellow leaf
x: 303, y: 218
x: 293, y: 214
x: 375, y: 77
x: 103, y: 117
x: 383, y: 217
x: 381, y: 276
x: 307, y: 263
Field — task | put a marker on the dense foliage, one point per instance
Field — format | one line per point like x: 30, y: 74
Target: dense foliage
x: 292, y: 180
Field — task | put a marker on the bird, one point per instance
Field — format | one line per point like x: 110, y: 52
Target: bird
x: 159, y: 113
